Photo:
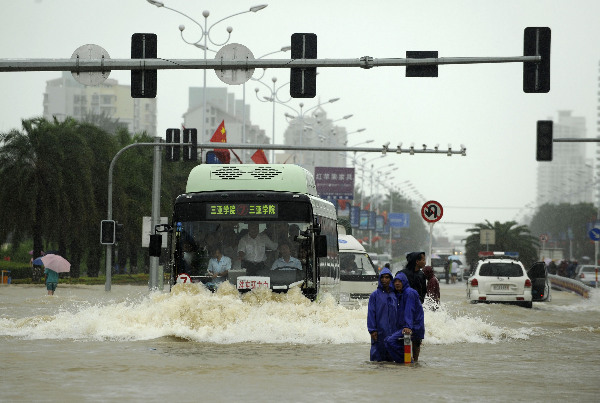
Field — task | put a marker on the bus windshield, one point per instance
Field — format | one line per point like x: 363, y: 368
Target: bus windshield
x: 247, y: 239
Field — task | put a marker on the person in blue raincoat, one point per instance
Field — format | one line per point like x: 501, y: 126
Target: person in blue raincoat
x: 381, y: 315
x: 410, y: 319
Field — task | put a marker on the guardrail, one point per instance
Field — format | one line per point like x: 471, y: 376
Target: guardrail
x: 568, y: 284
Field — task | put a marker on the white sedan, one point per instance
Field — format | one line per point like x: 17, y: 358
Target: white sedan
x: 500, y: 279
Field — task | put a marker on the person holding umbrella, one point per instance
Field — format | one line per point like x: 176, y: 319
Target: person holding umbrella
x: 51, y: 280
x: 53, y: 264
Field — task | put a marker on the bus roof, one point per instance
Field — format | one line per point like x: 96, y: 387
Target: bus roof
x: 275, y: 177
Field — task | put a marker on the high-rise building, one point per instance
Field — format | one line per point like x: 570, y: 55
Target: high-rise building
x: 222, y: 106
x: 66, y: 97
x: 314, y: 130
x: 568, y: 177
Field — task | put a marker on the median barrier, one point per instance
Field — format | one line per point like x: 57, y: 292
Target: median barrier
x: 568, y: 284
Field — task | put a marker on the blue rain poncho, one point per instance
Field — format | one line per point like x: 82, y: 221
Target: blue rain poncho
x: 409, y: 314
x: 381, y: 317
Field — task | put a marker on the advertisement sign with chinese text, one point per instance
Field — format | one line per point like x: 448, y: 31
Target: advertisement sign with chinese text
x: 335, y: 182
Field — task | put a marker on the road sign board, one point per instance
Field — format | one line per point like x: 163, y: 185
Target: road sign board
x: 399, y: 220
x: 543, y: 238
x: 594, y: 234
x: 432, y: 211
x: 487, y: 237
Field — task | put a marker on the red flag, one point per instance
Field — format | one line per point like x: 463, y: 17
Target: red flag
x: 342, y: 203
x: 259, y: 157
x: 368, y: 206
x: 220, y: 136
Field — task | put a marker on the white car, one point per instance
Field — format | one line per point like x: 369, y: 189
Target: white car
x: 500, y: 279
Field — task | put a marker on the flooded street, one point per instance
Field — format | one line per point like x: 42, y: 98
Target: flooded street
x: 87, y: 345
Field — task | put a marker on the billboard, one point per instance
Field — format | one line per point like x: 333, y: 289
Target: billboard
x: 399, y: 220
x: 354, y: 216
x: 379, y: 223
x: 372, y: 219
x: 335, y: 182
x: 364, y: 219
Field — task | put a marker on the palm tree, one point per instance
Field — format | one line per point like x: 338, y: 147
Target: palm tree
x: 27, y: 161
x: 510, y: 237
x: 52, y: 172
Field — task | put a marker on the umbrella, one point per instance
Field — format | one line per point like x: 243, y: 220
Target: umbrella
x: 453, y: 257
x: 55, y: 263
x: 435, y: 256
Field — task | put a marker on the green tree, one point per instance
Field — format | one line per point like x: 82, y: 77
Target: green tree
x: 510, y: 237
x: 558, y: 221
x: 51, y: 169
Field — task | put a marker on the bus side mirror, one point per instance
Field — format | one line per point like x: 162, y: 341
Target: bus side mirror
x: 321, y: 245
x: 155, y: 245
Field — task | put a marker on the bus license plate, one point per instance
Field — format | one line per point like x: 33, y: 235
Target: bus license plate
x: 252, y: 282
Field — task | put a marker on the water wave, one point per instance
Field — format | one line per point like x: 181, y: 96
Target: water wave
x: 193, y: 313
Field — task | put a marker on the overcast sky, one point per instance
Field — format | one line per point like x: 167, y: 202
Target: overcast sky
x: 480, y: 106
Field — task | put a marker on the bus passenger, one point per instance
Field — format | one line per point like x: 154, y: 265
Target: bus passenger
x: 218, y: 267
x: 381, y: 316
x: 286, y: 261
x: 252, y: 250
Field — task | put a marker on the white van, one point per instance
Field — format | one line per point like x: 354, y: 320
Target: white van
x: 358, y: 276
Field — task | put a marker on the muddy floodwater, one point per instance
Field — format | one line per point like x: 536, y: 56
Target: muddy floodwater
x: 85, y: 344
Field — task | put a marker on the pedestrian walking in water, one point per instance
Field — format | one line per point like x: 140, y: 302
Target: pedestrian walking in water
x: 410, y: 320
x: 414, y: 274
x: 51, y: 280
x: 433, y: 286
x: 381, y: 316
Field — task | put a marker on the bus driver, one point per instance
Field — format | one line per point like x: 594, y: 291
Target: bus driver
x: 252, y: 248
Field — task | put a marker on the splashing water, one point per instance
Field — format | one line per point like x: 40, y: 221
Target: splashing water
x: 191, y: 312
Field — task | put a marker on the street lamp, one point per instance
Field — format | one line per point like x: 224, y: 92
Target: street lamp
x: 300, y: 118
x: 205, y: 38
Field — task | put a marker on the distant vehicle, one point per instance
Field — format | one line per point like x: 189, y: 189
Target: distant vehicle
x: 587, y: 274
x: 439, y: 267
x: 358, y: 275
x: 375, y: 259
x: 500, y: 279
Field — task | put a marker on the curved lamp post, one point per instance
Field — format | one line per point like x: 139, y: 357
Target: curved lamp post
x: 205, y: 37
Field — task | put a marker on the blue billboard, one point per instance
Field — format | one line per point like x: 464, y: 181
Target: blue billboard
x: 399, y: 220
x: 354, y: 216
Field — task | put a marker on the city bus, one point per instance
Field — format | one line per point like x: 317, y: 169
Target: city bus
x: 224, y: 204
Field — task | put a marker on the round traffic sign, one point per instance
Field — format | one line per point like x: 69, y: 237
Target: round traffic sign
x: 89, y: 52
x: 594, y: 234
x: 543, y: 238
x: 432, y: 211
x: 234, y: 51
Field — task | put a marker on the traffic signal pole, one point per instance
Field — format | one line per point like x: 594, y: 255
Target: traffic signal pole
x: 367, y: 62
x: 153, y: 282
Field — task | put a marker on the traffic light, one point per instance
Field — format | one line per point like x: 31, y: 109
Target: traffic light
x: 107, y: 232
x: 172, y: 152
x: 544, y: 140
x: 303, y: 81
x: 190, y: 147
x: 536, y: 75
x: 143, y: 82
x: 118, y: 232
